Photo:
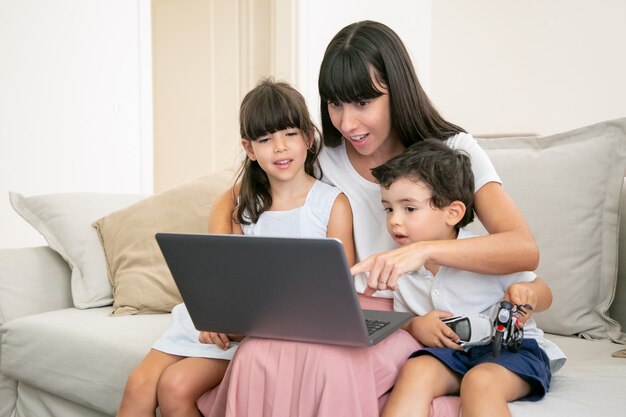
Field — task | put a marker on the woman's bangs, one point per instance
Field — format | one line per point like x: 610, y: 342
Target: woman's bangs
x: 347, y: 78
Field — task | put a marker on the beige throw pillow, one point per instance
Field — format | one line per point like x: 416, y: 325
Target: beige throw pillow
x: 138, y: 273
x: 568, y: 187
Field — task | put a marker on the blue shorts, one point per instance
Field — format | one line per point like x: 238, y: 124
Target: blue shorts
x: 531, y: 363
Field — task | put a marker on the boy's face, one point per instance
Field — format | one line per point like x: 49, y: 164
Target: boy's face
x: 410, y: 216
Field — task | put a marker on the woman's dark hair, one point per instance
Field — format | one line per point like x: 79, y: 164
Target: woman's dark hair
x: 269, y: 107
x: 447, y: 172
x: 346, y: 76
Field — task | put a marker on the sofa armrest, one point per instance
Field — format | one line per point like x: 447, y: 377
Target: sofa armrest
x: 32, y: 280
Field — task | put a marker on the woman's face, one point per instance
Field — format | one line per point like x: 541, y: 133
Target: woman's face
x: 364, y: 124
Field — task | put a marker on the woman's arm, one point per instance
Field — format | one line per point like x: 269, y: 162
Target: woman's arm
x: 509, y: 247
x: 340, y: 226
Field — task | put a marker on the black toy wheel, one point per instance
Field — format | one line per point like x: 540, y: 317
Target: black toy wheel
x: 496, y: 343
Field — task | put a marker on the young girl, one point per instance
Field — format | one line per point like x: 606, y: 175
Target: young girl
x: 277, y: 195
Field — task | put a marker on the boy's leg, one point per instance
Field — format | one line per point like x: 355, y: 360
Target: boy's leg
x: 487, y: 389
x: 421, y: 379
x: 185, y: 381
x: 140, y: 393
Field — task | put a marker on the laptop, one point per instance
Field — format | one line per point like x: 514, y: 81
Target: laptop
x: 273, y: 287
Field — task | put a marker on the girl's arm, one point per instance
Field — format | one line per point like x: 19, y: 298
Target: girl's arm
x: 340, y: 226
x: 221, y: 216
x: 221, y: 222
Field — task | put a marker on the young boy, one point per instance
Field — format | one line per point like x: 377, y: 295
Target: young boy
x: 427, y: 193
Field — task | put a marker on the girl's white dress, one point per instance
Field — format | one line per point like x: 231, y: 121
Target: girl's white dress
x: 309, y: 220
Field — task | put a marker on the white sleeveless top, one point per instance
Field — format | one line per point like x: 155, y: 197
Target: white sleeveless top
x: 308, y: 220
x: 370, y: 229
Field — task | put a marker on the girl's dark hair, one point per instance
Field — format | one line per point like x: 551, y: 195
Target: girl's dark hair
x: 447, y: 172
x: 269, y: 107
x: 345, y: 75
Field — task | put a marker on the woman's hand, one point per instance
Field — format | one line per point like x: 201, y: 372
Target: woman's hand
x: 430, y: 331
x: 221, y: 340
x: 385, y: 268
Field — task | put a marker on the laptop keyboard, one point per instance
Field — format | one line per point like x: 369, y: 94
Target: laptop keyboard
x: 374, y: 325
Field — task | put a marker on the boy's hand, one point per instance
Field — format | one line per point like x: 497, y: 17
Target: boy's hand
x: 522, y: 294
x: 430, y: 331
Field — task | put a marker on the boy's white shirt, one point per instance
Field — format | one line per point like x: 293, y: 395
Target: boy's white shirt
x: 462, y: 292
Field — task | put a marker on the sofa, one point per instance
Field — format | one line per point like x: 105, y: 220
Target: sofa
x: 79, y: 314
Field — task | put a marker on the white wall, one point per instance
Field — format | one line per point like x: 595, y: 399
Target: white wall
x: 320, y: 20
x: 75, y: 102
x: 75, y: 78
x: 493, y: 66
x: 531, y: 66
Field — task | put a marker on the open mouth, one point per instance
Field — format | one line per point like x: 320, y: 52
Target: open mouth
x: 359, y: 138
x: 283, y: 163
x: 399, y: 238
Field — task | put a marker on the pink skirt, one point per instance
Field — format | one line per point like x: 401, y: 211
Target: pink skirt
x: 271, y: 378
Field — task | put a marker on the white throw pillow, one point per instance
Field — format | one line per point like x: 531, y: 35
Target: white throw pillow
x: 65, y: 220
x: 568, y: 187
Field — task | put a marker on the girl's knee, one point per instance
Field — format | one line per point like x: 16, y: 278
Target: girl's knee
x: 172, y: 383
x: 140, y: 384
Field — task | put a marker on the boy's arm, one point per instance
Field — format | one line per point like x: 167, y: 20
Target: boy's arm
x: 430, y: 331
x: 536, y: 293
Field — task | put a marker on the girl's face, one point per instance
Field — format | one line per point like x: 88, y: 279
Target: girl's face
x: 366, y: 124
x: 280, y: 154
x: 410, y: 215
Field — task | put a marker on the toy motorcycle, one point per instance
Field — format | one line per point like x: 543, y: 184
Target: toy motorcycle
x: 507, y: 333
x: 502, y: 332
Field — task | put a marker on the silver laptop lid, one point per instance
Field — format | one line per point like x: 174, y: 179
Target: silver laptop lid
x: 284, y: 288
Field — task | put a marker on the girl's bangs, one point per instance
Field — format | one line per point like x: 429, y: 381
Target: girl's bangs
x: 347, y: 78
x: 270, y: 114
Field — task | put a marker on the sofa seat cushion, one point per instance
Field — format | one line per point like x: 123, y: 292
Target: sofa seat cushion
x: 84, y: 356
x: 591, y: 383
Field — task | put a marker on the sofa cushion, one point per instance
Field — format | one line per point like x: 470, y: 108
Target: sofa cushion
x: 568, y: 187
x: 590, y: 384
x: 65, y: 220
x: 84, y: 356
x: 618, y: 307
x: 32, y: 280
x: 141, y: 280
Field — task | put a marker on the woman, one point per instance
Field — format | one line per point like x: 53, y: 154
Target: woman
x: 373, y: 107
